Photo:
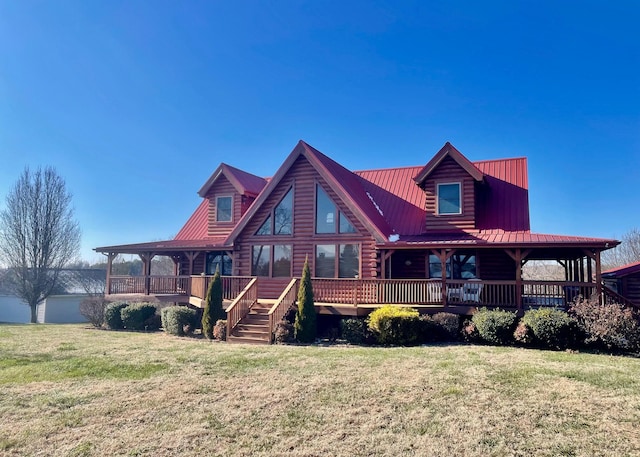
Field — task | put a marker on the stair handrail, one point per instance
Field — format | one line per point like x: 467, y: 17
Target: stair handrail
x: 282, y: 306
x: 609, y: 293
x: 242, y: 304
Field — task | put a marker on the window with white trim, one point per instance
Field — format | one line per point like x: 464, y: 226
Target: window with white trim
x: 224, y: 209
x: 449, y: 198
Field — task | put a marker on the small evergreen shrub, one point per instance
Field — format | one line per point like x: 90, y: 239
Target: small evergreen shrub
x: 283, y: 332
x: 220, y: 330
x: 112, y: 318
x: 610, y: 326
x: 523, y: 334
x: 305, y: 326
x: 136, y: 315
x: 213, y: 309
x: 179, y: 320
x: 552, y: 328
x: 354, y: 330
x: 92, y: 309
x: 447, y: 326
x: 495, y: 326
x: 395, y: 325
x: 153, y: 323
x: 429, y: 331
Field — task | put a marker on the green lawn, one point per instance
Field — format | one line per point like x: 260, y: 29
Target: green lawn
x: 73, y: 391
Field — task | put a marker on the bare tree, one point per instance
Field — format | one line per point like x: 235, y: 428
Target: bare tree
x: 626, y: 252
x: 38, y: 234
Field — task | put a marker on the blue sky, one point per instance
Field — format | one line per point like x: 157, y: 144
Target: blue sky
x: 136, y: 102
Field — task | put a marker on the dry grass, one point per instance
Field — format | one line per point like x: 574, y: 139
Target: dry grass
x: 73, y: 391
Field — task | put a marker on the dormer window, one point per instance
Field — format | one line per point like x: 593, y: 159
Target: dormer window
x: 449, y: 198
x: 224, y: 211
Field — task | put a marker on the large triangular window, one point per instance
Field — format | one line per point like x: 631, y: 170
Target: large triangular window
x: 328, y: 218
x: 280, y: 220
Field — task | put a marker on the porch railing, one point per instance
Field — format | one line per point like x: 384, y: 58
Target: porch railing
x: 179, y: 285
x: 282, y: 306
x: 242, y: 304
x: 231, y: 286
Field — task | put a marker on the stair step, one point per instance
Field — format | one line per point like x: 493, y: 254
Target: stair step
x: 251, y: 333
x: 246, y: 340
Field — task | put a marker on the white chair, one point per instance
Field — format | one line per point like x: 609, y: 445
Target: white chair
x: 471, y: 291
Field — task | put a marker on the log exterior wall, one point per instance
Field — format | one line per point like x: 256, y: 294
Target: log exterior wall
x: 448, y: 171
x: 302, y: 177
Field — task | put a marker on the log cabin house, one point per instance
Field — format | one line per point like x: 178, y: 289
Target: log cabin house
x: 451, y: 235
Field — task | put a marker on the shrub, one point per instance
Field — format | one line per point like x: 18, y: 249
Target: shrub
x: 395, y: 325
x: 304, y: 327
x: 213, y: 309
x: 220, y: 330
x: 495, y: 326
x: 112, y: 318
x: 354, y: 330
x: 92, y: 308
x: 447, y: 326
x: 523, y: 334
x: 552, y: 328
x: 612, y: 326
x: 179, y: 320
x: 283, y: 333
x: 153, y: 323
x: 136, y: 315
x: 470, y: 332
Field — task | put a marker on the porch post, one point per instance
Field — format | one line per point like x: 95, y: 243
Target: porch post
x: 110, y: 257
x: 191, y: 256
x: 599, y: 276
x: 146, y: 270
x: 517, y: 258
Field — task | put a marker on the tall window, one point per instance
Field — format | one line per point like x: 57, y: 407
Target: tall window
x: 261, y: 260
x: 218, y: 261
x: 449, y: 198
x: 346, y: 263
x: 280, y: 221
x: 223, y: 209
x: 459, y: 266
x: 328, y: 218
x: 271, y: 260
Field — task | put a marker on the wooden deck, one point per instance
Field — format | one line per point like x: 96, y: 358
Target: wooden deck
x: 354, y: 297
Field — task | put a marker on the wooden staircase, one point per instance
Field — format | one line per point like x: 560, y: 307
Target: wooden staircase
x: 254, y: 327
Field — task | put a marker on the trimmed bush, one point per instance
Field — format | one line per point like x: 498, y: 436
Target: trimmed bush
x: 283, y: 333
x: 495, y: 326
x: 447, y: 326
x: 153, y: 323
x: 305, y: 327
x: 112, y: 317
x: 552, y: 328
x: 611, y: 326
x: 395, y: 325
x: 179, y: 320
x: 220, y: 330
x: 136, y: 315
x: 92, y: 309
x: 354, y: 330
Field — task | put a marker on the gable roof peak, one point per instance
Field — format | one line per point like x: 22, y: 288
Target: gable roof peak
x: 245, y: 183
x: 449, y: 150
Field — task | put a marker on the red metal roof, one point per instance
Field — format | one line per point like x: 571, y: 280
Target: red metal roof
x: 624, y: 270
x: 499, y: 237
x: 166, y: 246
x: 245, y: 183
x: 196, y: 227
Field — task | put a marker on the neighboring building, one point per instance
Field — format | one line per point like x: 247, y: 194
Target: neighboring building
x: 625, y: 280
x: 452, y: 234
x: 62, y: 306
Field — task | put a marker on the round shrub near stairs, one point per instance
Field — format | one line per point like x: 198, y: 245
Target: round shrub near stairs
x: 112, y: 317
x: 139, y: 316
x: 220, y: 330
x: 179, y: 320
